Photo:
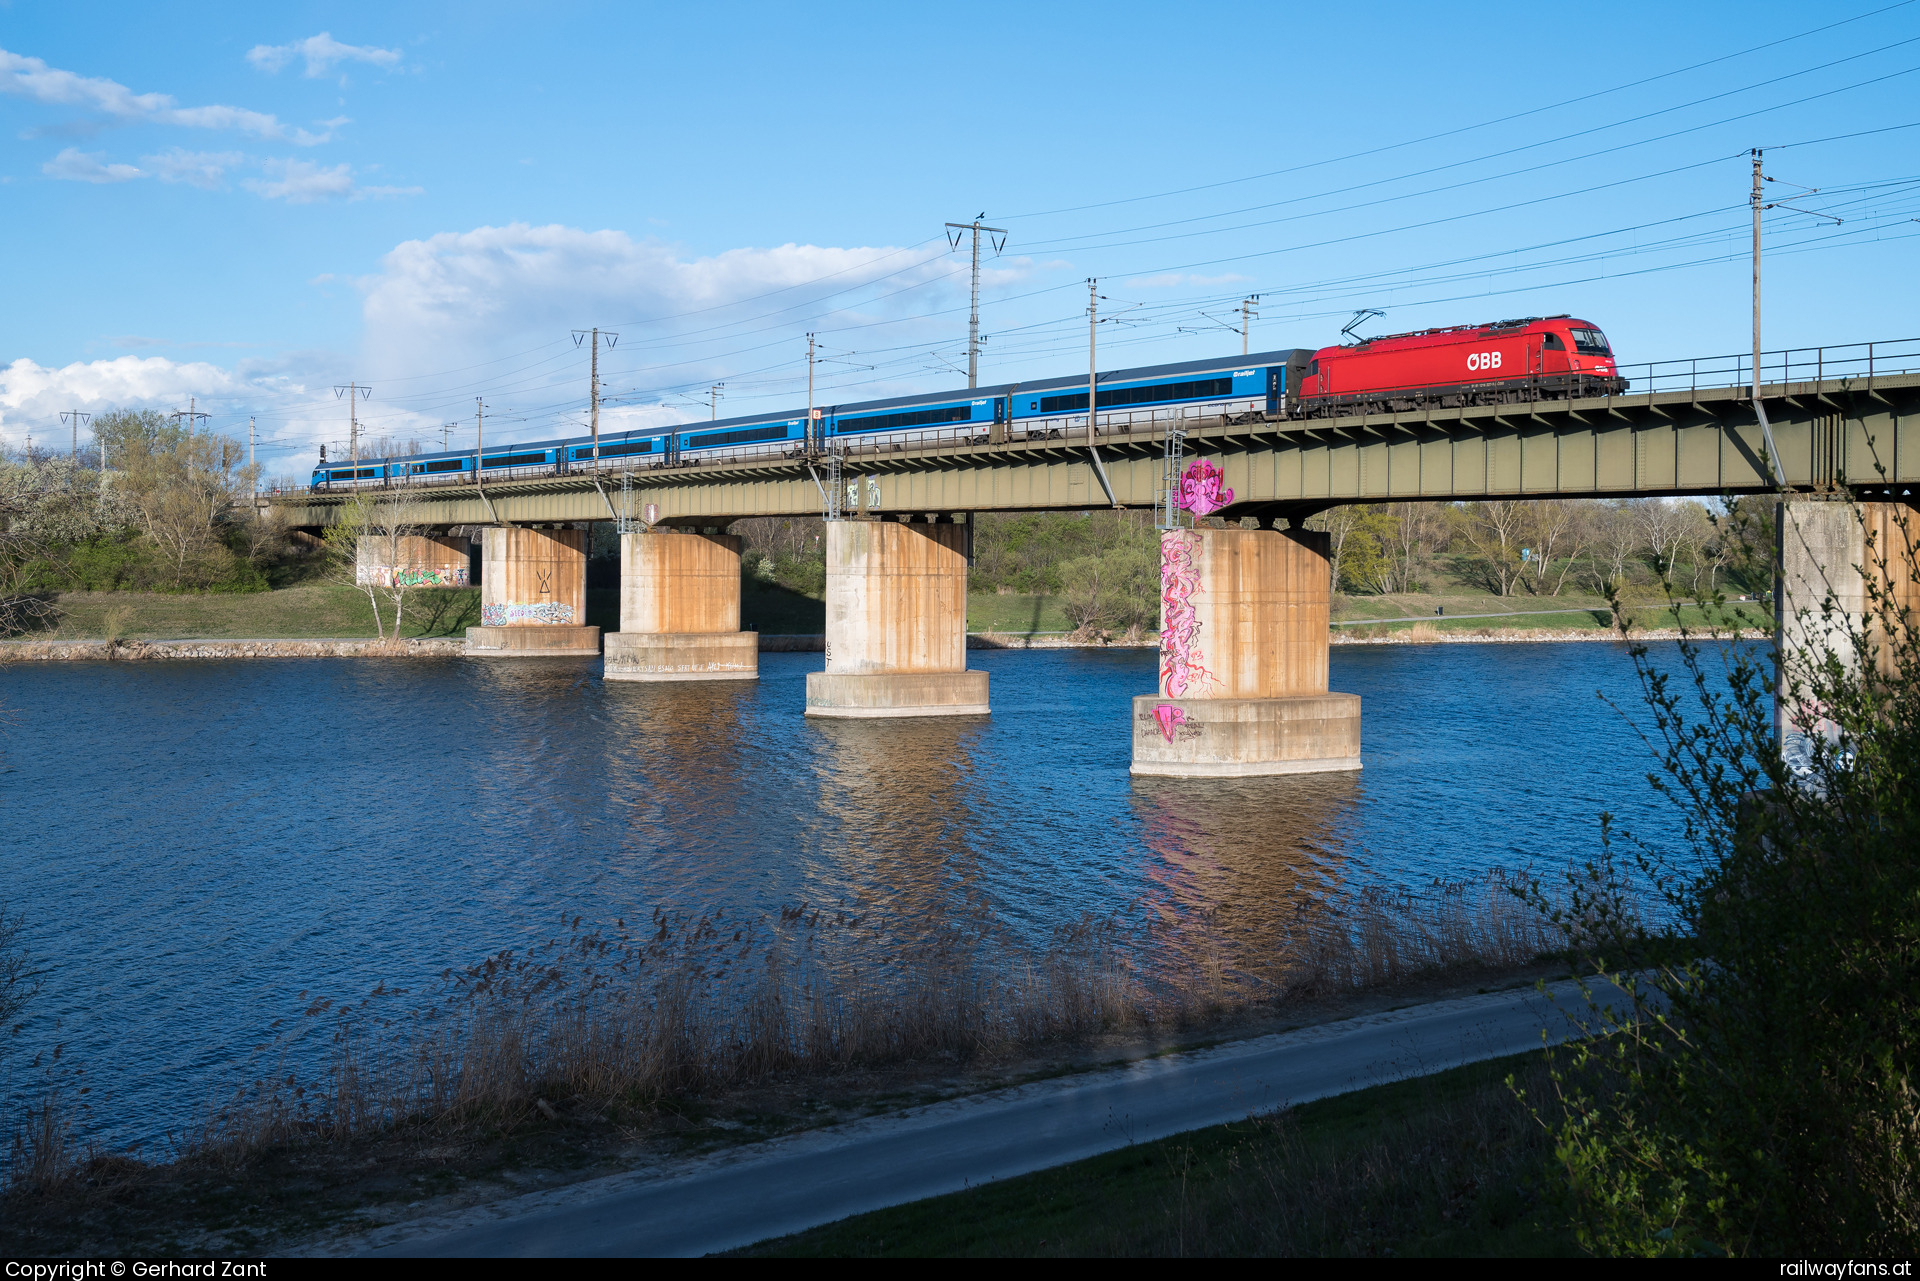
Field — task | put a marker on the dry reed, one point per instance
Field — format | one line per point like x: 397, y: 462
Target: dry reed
x: 617, y: 1023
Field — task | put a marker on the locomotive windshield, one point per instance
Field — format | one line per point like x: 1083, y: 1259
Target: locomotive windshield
x: 1591, y: 342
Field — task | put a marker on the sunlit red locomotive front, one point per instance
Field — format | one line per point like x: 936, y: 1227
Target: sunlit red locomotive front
x: 1540, y: 358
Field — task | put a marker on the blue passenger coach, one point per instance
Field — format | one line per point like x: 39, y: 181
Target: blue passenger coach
x: 1262, y: 383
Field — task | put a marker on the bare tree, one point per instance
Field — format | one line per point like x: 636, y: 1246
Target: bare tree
x: 1416, y: 533
x: 1558, y: 530
x: 1493, y: 528
x: 1663, y: 526
x: 1617, y: 539
x: 1338, y: 523
x: 373, y: 545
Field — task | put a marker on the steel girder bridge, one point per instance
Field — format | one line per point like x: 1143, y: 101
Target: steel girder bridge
x: 1856, y: 430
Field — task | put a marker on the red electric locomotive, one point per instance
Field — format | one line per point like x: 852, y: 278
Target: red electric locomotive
x: 1539, y: 358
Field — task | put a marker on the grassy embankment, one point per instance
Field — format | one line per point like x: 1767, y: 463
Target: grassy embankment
x: 327, y: 610
x: 1450, y: 1165
x: 1473, y: 613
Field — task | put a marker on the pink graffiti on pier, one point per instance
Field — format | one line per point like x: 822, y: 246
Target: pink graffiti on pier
x: 1170, y: 717
x: 1202, y: 488
x: 1182, y: 665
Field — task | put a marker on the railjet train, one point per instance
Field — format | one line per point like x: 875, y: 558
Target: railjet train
x: 1511, y: 360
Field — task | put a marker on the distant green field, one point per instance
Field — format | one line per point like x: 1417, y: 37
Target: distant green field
x: 330, y: 610
x: 1015, y: 615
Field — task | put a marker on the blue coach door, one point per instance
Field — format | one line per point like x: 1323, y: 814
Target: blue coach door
x: 1276, y: 387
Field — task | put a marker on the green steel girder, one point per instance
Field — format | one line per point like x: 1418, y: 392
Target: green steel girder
x: 1699, y: 441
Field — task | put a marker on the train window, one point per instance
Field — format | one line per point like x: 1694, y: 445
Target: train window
x: 906, y: 418
x: 1313, y: 369
x: 515, y: 460
x: 743, y: 437
x: 1553, y: 342
x: 445, y: 464
x: 1591, y: 342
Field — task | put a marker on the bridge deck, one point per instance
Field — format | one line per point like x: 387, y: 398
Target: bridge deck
x: 1862, y: 433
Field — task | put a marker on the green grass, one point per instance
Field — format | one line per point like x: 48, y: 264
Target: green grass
x: 1450, y: 1165
x: 1015, y: 615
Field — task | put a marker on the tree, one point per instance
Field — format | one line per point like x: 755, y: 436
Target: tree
x: 1556, y: 530
x: 46, y: 506
x: 1759, y: 1097
x: 1494, y: 529
x: 372, y: 544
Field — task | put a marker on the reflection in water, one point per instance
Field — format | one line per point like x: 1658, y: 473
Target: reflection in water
x: 328, y: 825
x: 1240, y: 861
x: 908, y: 847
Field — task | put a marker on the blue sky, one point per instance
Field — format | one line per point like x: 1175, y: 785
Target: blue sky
x: 249, y: 205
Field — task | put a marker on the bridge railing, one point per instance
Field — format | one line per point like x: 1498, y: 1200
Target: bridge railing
x: 1860, y: 360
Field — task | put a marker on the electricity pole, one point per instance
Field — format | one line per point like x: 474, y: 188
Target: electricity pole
x: 479, y: 436
x: 446, y: 435
x: 191, y: 414
x: 1093, y: 377
x: 1249, y: 308
x: 973, y: 317
x: 812, y: 433
x: 253, y: 438
x: 580, y: 336
x: 354, y: 392
x: 713, y: 399
x: 1759, y: 203
x: 75, y: 417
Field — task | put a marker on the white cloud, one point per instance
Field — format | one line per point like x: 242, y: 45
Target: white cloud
x: 301, y: 182
x: 321, y: 52
x: 204, y: 169
x: 32, y: 78
x: 459, y: 297
x: 75, y: 165
x: 32, y: 396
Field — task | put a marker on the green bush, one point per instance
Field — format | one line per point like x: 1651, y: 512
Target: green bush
x: 128, y: 563
x: 1762, y: 1097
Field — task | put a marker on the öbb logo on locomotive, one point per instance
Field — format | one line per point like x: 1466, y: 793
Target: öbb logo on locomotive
x: 1535, y: 358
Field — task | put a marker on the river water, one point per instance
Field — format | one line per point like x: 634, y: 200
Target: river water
x: 196, y: 844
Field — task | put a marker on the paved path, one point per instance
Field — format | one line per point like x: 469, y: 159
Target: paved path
x: 786, y: 1185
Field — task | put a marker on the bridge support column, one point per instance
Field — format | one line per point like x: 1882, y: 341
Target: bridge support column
x: 896, y: 623
x: 1823, y: 547
x: 680, y: 610
x: 1243, y: 660
x: 533, y: 595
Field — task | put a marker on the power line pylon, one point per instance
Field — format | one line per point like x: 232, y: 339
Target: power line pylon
x: 190, y: 413
x: 580, y: 336
x: 973, y: 315
x: 354, y: 393
x: 1249, y: 312
x: 75, y: 417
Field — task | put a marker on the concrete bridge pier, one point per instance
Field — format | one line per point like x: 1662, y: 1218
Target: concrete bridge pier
x: 1834, y: 545
x: 533, y: 594
x: 680, y: 610
x: 1243, y: 660
x: 896, y: 622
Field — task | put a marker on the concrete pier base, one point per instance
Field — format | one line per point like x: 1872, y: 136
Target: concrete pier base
x: 896, y: 640
x: 682, y: 656
x: 897, y: 694
x: 1243, y: 660
x: 1239, y: 737
x: 680, y: 610
x: 533, y: 595
x: 539, y: 641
